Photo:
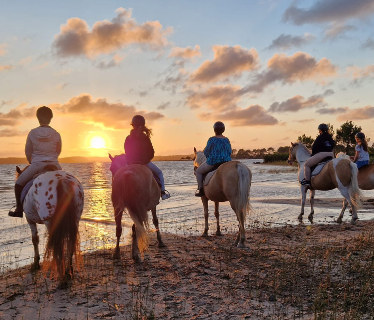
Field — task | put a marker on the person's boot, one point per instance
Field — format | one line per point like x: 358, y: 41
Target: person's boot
x: 18, y: 212
x: 199, y: 192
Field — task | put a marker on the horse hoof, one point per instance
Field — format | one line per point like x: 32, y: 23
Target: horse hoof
x: 310, y: 219
x: 353, y: 220
x: 241, y: 245
x: 218, y: 233
x: 116, y: 255
x: 205, y: 235
x: 339, y: 220
x: 64, y: 284
x: 35, y: 267
x: 136, y: 259
x: 300, y: 218
x: 161, y: 244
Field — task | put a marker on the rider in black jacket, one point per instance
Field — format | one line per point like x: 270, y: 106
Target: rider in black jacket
x: 322, y: 148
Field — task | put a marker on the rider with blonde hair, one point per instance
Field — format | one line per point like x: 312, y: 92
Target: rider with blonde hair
x: 217, y: 151
x: 139, y: 150
x: 43, y: 146
x: 322, y: 148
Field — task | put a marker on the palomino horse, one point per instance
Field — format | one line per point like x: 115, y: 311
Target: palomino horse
x: 231, y: 182
x: 337, y: 173
x: 365, y: 174
x: 56, y: 200
x: 135, y: 189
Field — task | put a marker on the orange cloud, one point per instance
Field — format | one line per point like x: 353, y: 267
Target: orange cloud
x: 363, y: 113
x: 251, y: 116
x: 100, y: 111
x: 360, y: 73
x: 216, y: 98
x: 228, y: 61
x: 288, y: 69
x: 76, y: 39
x: 185, y: 53
x: 5, y: 67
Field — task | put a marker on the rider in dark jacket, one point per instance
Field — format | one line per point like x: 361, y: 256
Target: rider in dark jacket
x: 322, y: 148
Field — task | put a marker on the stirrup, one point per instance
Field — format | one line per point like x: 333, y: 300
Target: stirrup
x: 199, y: 192
x: 165, y: 195
x: 305, y: 182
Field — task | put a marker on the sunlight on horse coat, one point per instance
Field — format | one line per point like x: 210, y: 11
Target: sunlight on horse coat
x: 231, y: 182
x: 338, y: 173
x: 55, y: 199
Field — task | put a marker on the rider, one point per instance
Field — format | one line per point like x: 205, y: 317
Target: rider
x: 43, y: 146
x: 362, y: 155
x: 139, y: 150
x: 322, y: 148
x: 217, y: 151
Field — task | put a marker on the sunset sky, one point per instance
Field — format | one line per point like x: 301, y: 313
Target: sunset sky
x: 270, y: 70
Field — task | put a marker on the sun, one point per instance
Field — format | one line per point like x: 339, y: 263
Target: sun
x: 97, y: 142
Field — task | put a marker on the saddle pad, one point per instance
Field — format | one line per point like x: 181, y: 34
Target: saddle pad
x: 208, y: 176
x: 319, y: 168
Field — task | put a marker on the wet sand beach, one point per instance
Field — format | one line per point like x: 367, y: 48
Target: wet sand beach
x: 291, y: 272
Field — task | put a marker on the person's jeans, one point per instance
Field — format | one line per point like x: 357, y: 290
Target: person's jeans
x: 157, y: 171
x: 360, y: 164
x: 200, y: 171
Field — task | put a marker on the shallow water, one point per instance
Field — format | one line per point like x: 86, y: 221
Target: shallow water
x: 181, y: 214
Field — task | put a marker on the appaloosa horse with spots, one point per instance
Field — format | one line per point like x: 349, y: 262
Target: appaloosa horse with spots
x: 134, y: 189
x: 56, y: 200
x: 338, y: 173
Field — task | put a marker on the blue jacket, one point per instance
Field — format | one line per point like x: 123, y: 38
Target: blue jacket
x: 217, y: 150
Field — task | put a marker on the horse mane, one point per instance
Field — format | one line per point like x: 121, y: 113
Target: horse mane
x: 200, y: 158
x: 303, y: 146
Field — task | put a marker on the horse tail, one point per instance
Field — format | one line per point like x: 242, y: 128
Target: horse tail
x: 125, y: 195
x: 244, y: 184
x: 63, y: 234
x: 354, y: 190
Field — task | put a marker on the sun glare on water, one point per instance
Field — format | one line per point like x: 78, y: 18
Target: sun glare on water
x: 97, y: 142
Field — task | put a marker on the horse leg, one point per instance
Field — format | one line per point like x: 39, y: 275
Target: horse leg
x: 303, y: 197
x: 134, y: 247
x: 206, y: 214
x: 35, y: 241
x: 216, y: 213
x: 155, y: 222
x: 310, y: 217
x: 340, y: 218
x: 118, y: 218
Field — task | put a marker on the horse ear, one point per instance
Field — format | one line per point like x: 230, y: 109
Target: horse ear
x: 110, y: 157
x: 18, y: 170
x: 293, y: 144
x: 194, y: 150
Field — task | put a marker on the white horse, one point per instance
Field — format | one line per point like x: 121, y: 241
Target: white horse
x: 338, y: 173
x: 55, y: 199
x: 231, y: 182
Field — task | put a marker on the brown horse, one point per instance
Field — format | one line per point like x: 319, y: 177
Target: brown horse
x: 134, y: 189
x: 231, y: 182
x: 56, y: 200
x: 338, y: 173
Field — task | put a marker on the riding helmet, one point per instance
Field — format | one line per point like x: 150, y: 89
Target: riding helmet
x: 323, y: 127
x: 360, y: 135
x: 138, y: 121
x: 219, y: 126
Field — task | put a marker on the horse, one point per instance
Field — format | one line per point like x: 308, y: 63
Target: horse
x: 338, y: 173
x: 134, y: 189
x: 365, y: 174
x: 231, y: 182
x: 55, y: 199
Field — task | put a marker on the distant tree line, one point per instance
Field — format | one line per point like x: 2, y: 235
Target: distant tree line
x: 344, y: 137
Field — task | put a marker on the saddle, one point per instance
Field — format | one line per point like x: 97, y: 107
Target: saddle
x: 319, y: 166
x: 207, y: 176
x: 26, y: 188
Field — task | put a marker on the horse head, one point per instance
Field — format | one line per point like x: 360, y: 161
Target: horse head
x: 292, y: 153
x: 117, y: 162
x: 199, y: 158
